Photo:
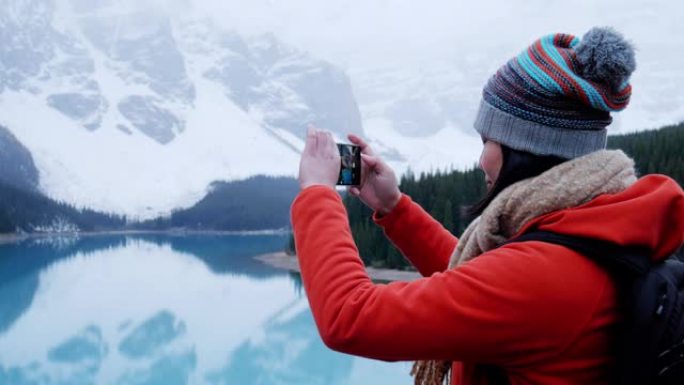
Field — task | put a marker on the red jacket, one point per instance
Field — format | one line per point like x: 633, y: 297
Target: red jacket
x: 543, y: 312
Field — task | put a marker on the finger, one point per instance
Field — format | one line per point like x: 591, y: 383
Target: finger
x: 310, y: 142
x: 372, y: 162
x: 314, y: 147
x: 322, y: 142
x: 365, y: 148
x: 318, y: 143
x: 327, y: 144
x: 353, y: 191
x: 332, y: 147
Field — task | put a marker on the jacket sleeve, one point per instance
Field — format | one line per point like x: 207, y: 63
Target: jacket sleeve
x: 419, y: 237
x: 484, y: 311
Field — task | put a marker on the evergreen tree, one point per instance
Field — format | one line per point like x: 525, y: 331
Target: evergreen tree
x: 448, y: 216
x: 29, y: 210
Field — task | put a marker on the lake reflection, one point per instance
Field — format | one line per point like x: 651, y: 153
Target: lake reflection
x: 163, y: 310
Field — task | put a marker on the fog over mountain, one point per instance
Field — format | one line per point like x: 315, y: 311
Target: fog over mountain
x: 136, y: 107
x: 436, y: 50
x: 136, y: 112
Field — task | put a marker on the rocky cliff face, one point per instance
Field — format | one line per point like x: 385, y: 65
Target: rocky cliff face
x: 118, y: 103
x: 16, y: 164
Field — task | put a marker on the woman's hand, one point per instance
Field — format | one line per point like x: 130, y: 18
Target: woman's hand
x: 379, y: 189
x: 320, y: 162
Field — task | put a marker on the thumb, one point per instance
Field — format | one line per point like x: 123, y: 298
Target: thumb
x: 374, y: 163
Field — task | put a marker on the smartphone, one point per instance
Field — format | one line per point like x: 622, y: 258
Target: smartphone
x: 350, y: 172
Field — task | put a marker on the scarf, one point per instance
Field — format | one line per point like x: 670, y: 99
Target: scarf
x: 569, y: 184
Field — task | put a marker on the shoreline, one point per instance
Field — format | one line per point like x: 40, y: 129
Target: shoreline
x: 278, y: 260
x: 6, y: 238
x: 281, y: 260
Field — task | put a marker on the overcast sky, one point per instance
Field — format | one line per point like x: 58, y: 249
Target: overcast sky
x: 424, y: 37
x: 353, y: 32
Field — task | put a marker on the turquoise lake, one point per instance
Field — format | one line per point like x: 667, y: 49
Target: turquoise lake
x: 162, y: 309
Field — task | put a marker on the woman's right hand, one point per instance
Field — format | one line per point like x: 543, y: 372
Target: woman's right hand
x: 379, y: 188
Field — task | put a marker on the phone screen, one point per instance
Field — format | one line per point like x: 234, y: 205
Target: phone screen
x: 350, y: 172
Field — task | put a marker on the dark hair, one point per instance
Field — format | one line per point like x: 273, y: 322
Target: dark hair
x: 517, y: 165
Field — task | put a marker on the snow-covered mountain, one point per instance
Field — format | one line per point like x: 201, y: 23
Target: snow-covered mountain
x: 129, y: 110
x: 136, y: 107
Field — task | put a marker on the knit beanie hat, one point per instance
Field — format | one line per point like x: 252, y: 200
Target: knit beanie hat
x: 555, y: 98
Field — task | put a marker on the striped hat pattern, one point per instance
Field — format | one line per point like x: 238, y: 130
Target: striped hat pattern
x: 555, y: 97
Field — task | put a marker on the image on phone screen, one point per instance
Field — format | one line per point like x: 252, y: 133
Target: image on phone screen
x: 350, y: 170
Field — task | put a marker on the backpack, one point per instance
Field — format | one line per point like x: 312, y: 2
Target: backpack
x: 650, y: 347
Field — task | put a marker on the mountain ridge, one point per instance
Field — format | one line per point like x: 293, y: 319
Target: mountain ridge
x: 133, y: 108
x: 262, y: 202
x: 135, y: 112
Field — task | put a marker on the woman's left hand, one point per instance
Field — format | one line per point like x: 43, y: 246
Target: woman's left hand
x: 320, y: 162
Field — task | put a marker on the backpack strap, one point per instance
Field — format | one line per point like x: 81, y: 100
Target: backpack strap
x: 622, y: 261
x: 624, y: 264
x: 650, y: 335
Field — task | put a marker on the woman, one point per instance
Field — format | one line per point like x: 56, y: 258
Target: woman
x: 523, y: 313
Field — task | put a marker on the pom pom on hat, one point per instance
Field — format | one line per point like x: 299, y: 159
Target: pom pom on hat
x: 605, y: 56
